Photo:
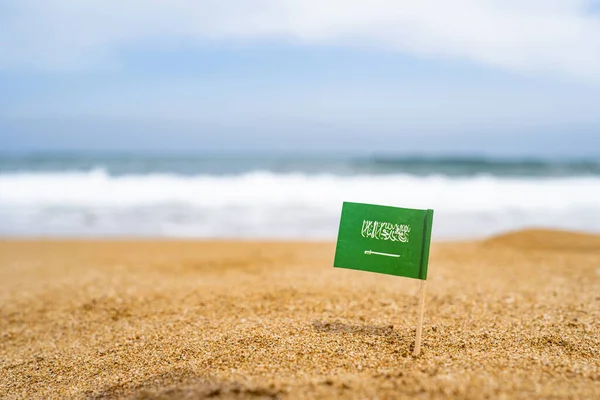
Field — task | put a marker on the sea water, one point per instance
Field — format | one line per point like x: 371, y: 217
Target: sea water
x: 285, y: 197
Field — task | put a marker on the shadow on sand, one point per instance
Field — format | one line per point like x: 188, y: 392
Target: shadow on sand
x: 339, y: 327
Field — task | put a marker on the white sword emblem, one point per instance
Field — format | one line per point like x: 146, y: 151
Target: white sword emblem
x: 370, y: 252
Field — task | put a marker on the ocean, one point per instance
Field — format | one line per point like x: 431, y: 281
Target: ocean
x: 285, y: 197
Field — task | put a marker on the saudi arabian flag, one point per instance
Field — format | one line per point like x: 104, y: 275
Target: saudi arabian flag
x: 383, y: 239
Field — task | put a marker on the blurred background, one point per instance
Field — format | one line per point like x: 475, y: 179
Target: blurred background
x: 238, y: 119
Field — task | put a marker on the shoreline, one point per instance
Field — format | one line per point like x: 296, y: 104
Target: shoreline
x: 449, y: 240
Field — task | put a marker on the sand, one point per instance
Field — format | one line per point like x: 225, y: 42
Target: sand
x: 516, y: 316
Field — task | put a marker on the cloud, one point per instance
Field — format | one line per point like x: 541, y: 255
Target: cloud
x: 559, y: 37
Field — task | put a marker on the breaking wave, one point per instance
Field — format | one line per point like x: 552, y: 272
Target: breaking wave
x: 282, y: 205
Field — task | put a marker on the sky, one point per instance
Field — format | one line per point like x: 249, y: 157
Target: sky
x: 492, y: 77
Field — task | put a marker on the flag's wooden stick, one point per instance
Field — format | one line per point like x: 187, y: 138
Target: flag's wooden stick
x: 417, y: 349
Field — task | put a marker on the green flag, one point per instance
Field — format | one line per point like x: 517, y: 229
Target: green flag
x: 383, y: 239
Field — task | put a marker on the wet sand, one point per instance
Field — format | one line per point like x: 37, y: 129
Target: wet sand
x: 517, y: 316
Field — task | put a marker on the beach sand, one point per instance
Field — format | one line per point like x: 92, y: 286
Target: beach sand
x: 516, y: 316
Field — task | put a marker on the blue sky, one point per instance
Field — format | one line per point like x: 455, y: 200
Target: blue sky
x: 496, y: 77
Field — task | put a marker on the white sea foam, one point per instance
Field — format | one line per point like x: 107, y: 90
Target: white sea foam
x: 268, y: 205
